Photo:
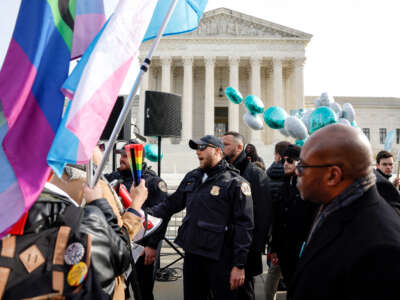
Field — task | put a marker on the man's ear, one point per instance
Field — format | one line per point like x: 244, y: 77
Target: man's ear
x: 377, y: 165
x: 240, y: 147
x: 334, y: 176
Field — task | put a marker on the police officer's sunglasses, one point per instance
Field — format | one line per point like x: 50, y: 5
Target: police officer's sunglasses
x: 202, y: 147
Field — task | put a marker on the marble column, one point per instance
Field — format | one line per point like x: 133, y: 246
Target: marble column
x: 166, y: 74
x: 299, y: 82
x: 187, y: 100
x: 277, y: 92
x: 209, y: 96
x: 233, y: 113
x: 255, y: 89
x: 142, y: 96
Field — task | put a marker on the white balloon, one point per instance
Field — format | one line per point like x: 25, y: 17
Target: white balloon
x: 253, y: 121
x: 344, y: 121
x: 284, y: 132
x: 306, y: 117
x: 348, y: 112
x: 325, y: 100
x: 317, y: 102
x: 336, y: 108
x: 296, y: 128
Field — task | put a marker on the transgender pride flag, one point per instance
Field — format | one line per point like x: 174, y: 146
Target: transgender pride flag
x: 31, y: 103
x: 95, y: 82
x: 106, y: 64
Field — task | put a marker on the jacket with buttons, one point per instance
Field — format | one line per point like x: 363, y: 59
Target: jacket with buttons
x: 219, y: 213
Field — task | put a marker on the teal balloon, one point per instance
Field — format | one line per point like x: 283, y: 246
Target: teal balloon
x: 254, y: 104
x: 321, y: 117
x: 353, y: 123
x: 233, y: 95
x: 151, y: 152
x: 275, y: 117
x: 300, y: 143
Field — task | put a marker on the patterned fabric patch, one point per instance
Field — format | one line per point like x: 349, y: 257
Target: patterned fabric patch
x: 245, y: 189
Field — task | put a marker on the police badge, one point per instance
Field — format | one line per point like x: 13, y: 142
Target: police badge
x: 214, y: 190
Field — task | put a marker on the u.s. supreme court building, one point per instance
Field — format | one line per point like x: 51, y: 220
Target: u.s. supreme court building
x: 255, y: 56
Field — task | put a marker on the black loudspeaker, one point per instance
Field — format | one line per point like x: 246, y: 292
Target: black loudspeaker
x: 124, y: 134
x: 162, y: 114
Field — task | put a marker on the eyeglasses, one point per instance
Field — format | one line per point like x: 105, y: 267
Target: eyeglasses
x: 203, y: 147
x: 300, y: 168
x: 288, y: 159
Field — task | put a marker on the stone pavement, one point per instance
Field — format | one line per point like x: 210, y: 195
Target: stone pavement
x: 173, y: 290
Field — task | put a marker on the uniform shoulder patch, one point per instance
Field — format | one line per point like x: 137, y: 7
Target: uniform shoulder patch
x: 162, y: 186
x: 246, y: 190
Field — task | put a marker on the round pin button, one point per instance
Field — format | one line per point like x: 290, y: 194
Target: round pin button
x: 77, y: 274
x: 74, y: 253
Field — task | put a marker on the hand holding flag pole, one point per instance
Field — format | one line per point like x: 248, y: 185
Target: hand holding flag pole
x: 127, y: 106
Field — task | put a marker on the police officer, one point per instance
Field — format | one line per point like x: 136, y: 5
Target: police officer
x: 216, y: 231
x: 262, y: 206
x: 146, y: 265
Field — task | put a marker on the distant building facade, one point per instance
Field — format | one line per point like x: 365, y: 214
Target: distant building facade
x: 228, y: 49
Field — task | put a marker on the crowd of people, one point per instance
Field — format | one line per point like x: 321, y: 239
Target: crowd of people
x: 328, y: 222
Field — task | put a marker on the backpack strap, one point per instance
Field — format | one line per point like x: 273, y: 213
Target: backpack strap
x: 7, y: 250
x: 58, y: 258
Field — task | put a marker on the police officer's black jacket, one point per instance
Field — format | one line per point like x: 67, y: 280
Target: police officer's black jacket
x: 261, y: 199
x: 219, y: 213
x: 387, y: 190
x: 157, y: 189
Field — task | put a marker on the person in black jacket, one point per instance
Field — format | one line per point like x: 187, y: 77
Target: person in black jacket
x: 276, y: 175
x: 383, y: 172
x: 234, y: 154
x: 292, y: 219
x: 146, y: 265
x: 110, y: 251
x: 353, y: 247
x: 216, y: 232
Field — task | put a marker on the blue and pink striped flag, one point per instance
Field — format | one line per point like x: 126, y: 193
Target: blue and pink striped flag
x: 35, y: 66
x: 95, y: 82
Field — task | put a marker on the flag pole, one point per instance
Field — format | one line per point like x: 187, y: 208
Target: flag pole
x: 127, y: 106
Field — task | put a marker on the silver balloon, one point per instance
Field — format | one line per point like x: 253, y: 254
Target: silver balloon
x: 348, y: 112
x: 344, y: 122
x: 337, y: 108
x: 284, y: 132
x: 317, y: 102
x: 325, y: 100
x: 253, y: 121
x: 306, y: 117
x: 296, y: 128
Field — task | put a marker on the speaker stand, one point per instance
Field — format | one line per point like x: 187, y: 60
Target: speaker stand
x: 165, y: 239
x: 159, y: 157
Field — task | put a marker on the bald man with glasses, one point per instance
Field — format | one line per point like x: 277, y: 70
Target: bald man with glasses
x: 353, y: 248
x: 216, y: 232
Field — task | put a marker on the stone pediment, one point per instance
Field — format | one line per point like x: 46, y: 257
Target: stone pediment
x: 223, y: 22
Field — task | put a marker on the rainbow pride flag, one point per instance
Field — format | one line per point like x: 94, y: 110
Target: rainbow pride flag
x: 31, y: 104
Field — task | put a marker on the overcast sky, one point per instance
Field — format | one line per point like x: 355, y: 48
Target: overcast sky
x: 355, y: 49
